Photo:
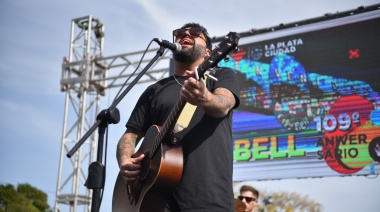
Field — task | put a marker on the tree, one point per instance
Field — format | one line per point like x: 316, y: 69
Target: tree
x: 289, y: 202
x: 24, y: 198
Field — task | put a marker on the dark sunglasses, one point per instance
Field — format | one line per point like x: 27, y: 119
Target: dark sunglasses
x: 193, y: 31
x: 247, y: 199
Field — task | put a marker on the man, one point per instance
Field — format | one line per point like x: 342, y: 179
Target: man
x: 249, y: 196
x: 206, y: 183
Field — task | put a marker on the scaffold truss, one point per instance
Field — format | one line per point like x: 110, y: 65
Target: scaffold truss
x: 86, y: 75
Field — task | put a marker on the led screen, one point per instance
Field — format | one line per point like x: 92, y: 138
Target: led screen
x: 309, y: 101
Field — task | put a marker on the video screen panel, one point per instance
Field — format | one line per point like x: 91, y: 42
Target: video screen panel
x: 309, y: 101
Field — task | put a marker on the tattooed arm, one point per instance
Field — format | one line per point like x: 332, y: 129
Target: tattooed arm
x: 219, y: 103
x: 216, y: 104
x: 129, y: 167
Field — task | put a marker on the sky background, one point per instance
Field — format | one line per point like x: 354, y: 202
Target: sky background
x: 35, y: 36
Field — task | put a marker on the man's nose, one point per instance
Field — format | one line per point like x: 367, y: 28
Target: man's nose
x: 187, y: 32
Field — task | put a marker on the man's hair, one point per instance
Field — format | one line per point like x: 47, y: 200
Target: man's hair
x: 204, y: 32
x: 251, y: 189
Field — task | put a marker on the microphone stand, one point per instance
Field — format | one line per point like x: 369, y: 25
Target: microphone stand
x: 96, y: 171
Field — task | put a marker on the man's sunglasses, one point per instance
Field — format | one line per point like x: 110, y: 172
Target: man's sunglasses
x: 193, y: 31
x: 247, y: 199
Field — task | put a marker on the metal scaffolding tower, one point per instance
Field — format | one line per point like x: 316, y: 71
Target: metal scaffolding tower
x: 86, y: 75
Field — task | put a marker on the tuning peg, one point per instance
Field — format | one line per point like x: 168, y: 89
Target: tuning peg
x: 236, y: 50
x: 226, y: 59
x: 211, y: 77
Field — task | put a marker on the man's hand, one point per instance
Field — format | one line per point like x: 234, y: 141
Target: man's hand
x: 216, y: 104
x: 194, y: 92
x: 130, y: 169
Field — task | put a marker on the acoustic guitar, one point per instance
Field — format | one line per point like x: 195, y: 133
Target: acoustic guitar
x: 161, y: 168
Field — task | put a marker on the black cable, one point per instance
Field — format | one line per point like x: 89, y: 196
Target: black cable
x: 138, y: 66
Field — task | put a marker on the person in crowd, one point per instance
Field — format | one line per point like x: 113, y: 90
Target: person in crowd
x: 250, y: 197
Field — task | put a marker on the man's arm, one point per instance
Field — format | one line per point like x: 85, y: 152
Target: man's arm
x: 219, y: 103
x: 127, y: 144
x: 129, y: 167
x: 216, y: 104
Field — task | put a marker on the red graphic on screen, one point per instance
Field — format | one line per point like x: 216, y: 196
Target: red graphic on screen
x: 352, y: 54
x: 238, y: 55
x: 345, y: 147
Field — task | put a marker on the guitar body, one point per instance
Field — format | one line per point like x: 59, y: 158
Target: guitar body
x: 160, y: 175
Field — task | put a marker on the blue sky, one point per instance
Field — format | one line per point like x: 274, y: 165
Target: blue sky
x: 35, y: 37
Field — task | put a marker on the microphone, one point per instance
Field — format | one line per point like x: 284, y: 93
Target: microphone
x: 175, y: 47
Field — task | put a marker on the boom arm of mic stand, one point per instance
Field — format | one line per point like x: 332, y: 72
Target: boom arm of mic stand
x: 96, y: 171
x: 160, y: 52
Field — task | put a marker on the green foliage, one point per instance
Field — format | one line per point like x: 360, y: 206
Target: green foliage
x: 24, y: 198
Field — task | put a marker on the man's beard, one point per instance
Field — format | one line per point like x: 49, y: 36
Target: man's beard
x: 190, y: 55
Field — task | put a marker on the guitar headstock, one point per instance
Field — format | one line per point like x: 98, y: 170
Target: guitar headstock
x: 229, y: 43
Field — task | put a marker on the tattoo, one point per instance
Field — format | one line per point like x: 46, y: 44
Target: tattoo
x: 127, y: 144
x: 223, y: 101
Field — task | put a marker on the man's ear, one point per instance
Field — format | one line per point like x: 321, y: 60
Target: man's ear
x: 208, y: 52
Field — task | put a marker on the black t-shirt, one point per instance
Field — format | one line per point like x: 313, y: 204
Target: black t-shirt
x: 206, y: 183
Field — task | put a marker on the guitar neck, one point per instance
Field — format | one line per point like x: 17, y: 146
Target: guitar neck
x: 168, y: 125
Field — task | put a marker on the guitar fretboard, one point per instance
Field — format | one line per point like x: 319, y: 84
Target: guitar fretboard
x: 168, y: 125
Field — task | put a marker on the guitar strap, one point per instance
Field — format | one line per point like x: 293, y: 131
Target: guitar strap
x: 187, y: 113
